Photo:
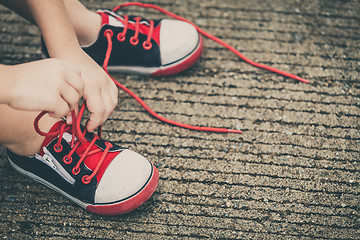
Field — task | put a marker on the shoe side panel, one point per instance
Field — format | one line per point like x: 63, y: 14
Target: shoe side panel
x: 124, y: 53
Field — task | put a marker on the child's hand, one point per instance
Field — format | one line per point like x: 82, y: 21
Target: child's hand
x: 49, y: 85
x: 61, y: 41
x: 100, y: 92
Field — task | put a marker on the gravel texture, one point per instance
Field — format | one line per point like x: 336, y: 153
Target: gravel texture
x: 294, y: 173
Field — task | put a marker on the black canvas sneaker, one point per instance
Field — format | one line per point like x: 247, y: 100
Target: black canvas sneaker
x: 151, y: 47
x: 97, y: 175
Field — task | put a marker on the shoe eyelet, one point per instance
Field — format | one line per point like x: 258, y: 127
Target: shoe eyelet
x: 67, y: 159
x: 85, y: 179
x: 75, y: 171
x: 108, y: 31
x: 58, y: 148
x: 108, y: 144
x: 147, y: 45
x: 121, y: 37
x: 134, y: 41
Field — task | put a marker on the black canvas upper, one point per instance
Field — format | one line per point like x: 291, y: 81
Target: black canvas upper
x: 79, y: 190
x: 124, y: 53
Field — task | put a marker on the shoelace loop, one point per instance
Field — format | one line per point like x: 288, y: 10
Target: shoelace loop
x: 77, y: 139
x: 206, y: 34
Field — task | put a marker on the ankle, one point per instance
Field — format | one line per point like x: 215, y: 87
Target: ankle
x: 30, y: 143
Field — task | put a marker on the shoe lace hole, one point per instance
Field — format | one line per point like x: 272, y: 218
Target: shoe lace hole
x: 67, y: 159
x: 75, y: 171
x: 134, y: 41
x: 108, y: 31
x: 85, y: 179
x: 147, y: 45
x: 121, y: 37
x: 58, y: 148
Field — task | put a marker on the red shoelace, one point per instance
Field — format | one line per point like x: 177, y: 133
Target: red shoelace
x: 76, y: 141
x: 108, y: 34
x: 147, y: 44
x: 78, y: 136
x: 134, y: 40
x: 212, y: 37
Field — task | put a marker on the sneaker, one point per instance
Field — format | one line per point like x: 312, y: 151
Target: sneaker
x: 97, y: 175
x: 150, y: 47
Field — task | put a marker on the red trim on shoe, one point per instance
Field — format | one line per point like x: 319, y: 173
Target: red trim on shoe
x: 143, y: 28
x: 156, y: 34
x: 91, y: 163
x: 129, y: 204
x: 183, y: 65
x: 104, y: 18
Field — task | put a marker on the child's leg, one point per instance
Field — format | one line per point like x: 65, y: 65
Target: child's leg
x: 86, y: 23
x: 17, y: 131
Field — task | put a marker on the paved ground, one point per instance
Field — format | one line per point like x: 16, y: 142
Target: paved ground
x: 293, y: 173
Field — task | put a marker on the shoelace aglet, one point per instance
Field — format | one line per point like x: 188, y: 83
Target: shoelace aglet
x: 234, y: 131
x: 302, y: 80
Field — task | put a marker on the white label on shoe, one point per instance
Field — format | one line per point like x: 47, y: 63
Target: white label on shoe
x: 68, y: 137
x: 49, y: 160
x: 114, y: 22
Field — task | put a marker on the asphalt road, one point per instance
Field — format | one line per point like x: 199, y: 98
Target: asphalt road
x: 294, y: 173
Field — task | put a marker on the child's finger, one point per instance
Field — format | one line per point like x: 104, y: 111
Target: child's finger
x: 114, y: 92
x: 108, y: 104
x: 71, y: 96
x: 76, y: 82
x: 97, y: 110
x: 58, y: 108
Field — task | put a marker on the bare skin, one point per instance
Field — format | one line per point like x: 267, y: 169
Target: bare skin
x: 55, y: 84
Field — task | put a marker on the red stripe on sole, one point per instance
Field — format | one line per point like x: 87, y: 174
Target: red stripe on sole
x: 182, y: 66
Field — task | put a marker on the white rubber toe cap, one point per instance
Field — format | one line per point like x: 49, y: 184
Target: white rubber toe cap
x: 125, y: 176
x: 177, y: 39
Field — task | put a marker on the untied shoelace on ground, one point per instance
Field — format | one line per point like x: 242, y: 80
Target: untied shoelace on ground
x: 76, y: 129
x: 108, y: 35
